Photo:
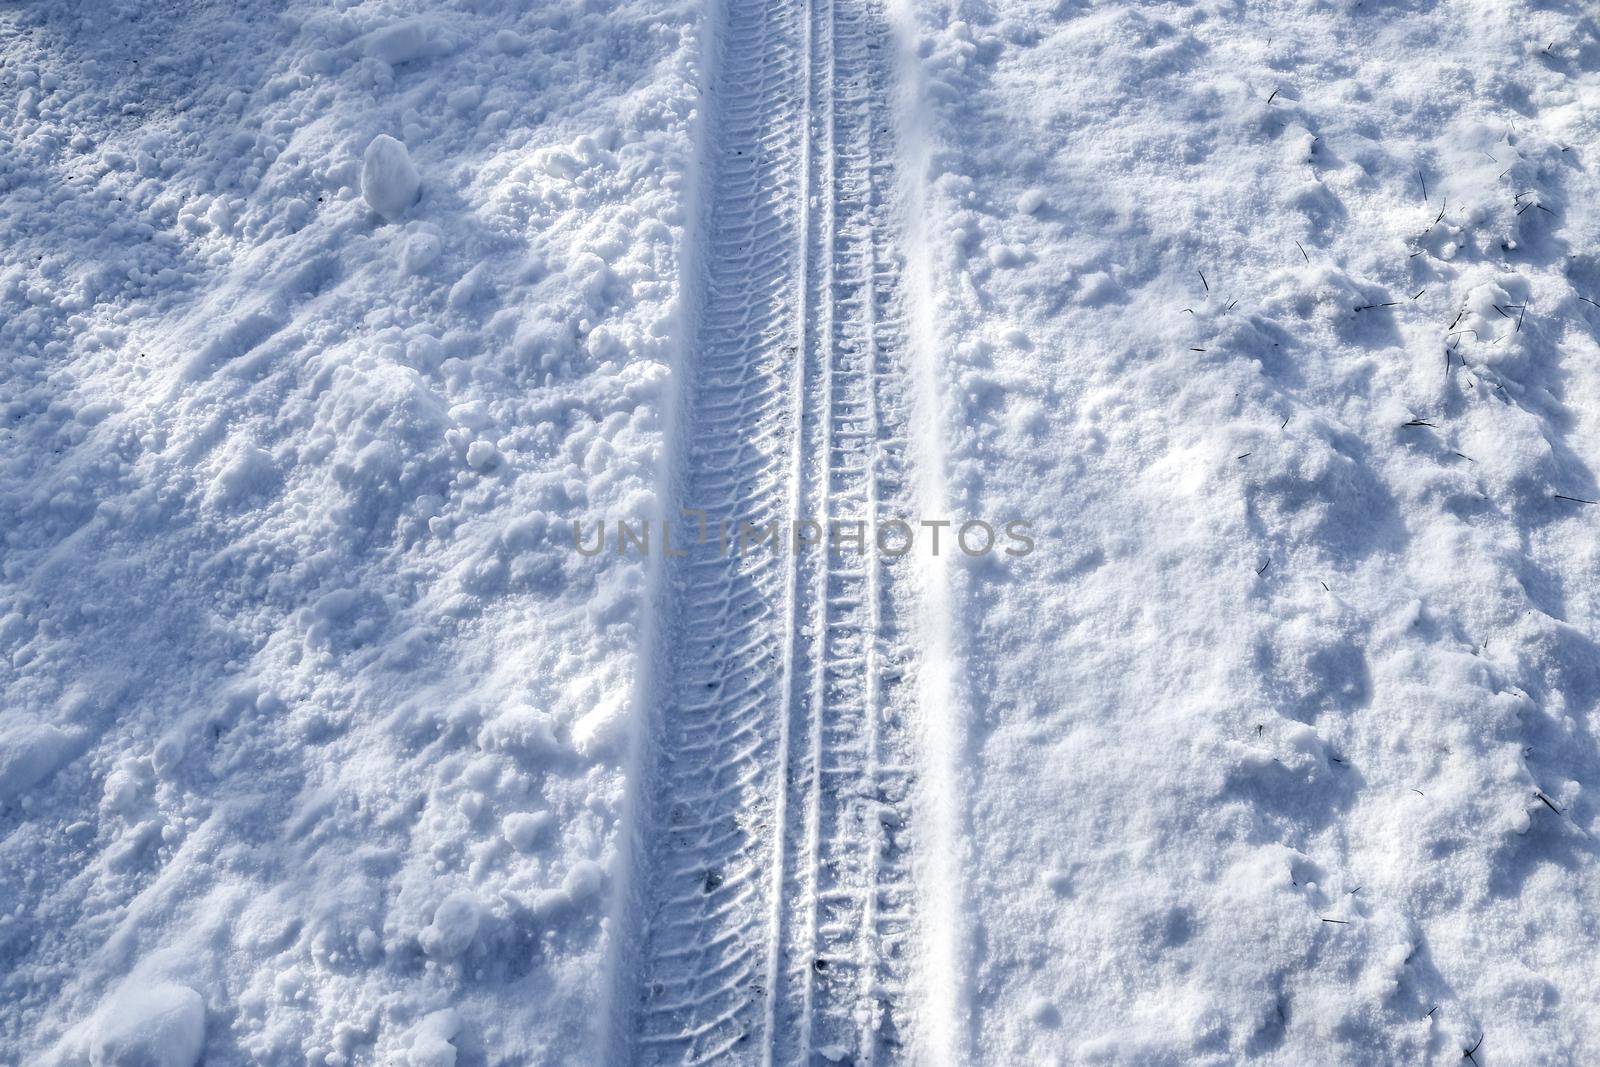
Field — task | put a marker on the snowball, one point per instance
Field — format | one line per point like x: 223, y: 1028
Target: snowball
x: 430, y: 1044
x: 482, y: 456
x: 220, y: 215
x: 167, y: 754
x: 468, y: 288
x: 583, y: 881
x: 389, y: 181
x: 1030, y: 201
x: 522, y: 829
x: 369, y: 945
x: 600, y: 730
x: 160, y: 1025
x: 1004, y: 256
x: 455, y: 924
x: 420, y: 252
x: 248, y: 471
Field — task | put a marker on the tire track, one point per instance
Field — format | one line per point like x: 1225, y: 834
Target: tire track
x: 777, y: 911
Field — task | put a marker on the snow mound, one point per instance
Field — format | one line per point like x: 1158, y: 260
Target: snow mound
x: 161, y: 1025
x: 389, y: 180
x: 30, y: 752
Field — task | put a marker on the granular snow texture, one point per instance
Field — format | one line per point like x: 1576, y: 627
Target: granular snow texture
x: 1279, y: 322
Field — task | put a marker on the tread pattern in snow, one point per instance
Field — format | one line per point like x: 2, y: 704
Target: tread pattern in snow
x: 777, y: 910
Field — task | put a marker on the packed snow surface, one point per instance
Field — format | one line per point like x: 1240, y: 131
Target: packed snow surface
x: 1277, y: 324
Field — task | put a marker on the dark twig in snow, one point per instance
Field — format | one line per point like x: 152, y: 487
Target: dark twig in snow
x: 1341, y: 922
x: 1307, y: 258
x: 1468, y: 1055
x: 1264, y: 567
x: 1424, y: 182
x: 1203, y: 280
x: 1547, y: 802
x: 1575, y: 499
x: 1416, y: 422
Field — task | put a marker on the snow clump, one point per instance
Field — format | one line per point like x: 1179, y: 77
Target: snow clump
x: 161, y: 1025
x: 389, y: 180
x: 455, y: 924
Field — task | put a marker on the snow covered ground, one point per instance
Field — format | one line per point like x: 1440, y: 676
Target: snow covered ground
x: 1279, y: 317
x: 309, y: 723
x: 320, y: 324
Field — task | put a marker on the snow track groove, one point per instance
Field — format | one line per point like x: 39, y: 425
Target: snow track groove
x: 776, y: 895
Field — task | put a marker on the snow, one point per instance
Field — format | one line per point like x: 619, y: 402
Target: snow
x: 160, y: 1025
x: 285, y: 632
x: 430, y: 1045
x: 30, y: 752
x: 454, y: 926
x: 523, y: 829
x: 389, y: 180
x: 1276, y: 322
x: 1313, y: 634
